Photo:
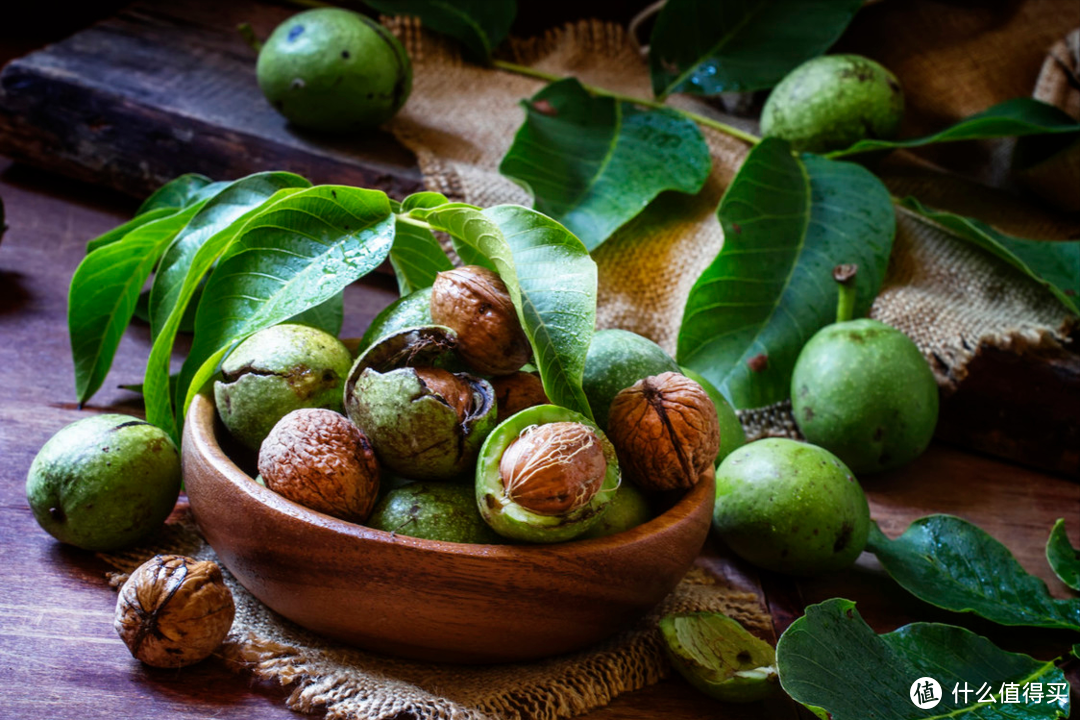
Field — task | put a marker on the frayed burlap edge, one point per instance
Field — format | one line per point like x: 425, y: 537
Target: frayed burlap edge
x: 350, y: 684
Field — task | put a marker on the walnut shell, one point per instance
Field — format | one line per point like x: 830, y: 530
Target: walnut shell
x: 553, y: 469
x: 514, y: 393
x: 665, y: 431
x: 174, y: 611
x: 474, y: 303
x: 320, y: 459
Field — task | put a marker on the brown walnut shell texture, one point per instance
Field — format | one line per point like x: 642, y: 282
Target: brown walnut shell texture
x: 514, y: 393
x: 665, y: 431
x: 321, y: 460
x: 553, y: 469
x: 457, y: 393
x: 174, y: 611
x: 474, y: 302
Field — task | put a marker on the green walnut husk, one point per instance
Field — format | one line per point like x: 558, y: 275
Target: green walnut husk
x: 629, y: 508
x: 334, y: 70
x: 719, y: 657
x: 732, y: 435
x: 864, y: 391
x: 413, y: 310
x: 275, y: 371
x: 616, y: 360
x: 104, y: 482
x: 831, y: 102
x: 433, y: 511
x: 414, y: 430
x: 790, y: 507
x: 513, y: 521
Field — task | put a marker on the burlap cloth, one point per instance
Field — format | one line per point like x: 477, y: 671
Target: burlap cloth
x: 948, y: 296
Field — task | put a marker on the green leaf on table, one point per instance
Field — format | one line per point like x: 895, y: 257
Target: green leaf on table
x: 1054, y: 264
x: 295, y: 253
x: 593, y: 163
x: 177, y: 194
x: 104, y: 291
x: 479, y: 25
x: 832, y: 662
x: 1064, y: 559
x: 1012, y: 118
x: 551, y: 279
x: 706, y: 47
x: 953, y: 564
x: 788, y: 221
x: 119, y: 232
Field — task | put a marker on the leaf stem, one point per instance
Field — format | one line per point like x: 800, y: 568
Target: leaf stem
x: 699, y: 119
x: 405, y: 218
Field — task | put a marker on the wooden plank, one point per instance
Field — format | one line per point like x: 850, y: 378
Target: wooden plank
x: 167, y: 88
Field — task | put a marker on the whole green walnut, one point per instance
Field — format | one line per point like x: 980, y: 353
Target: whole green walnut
x: 831, y: 102
x: 732, y: 435
x: 104, y: 482
x: 276, y: 371
x: 864, y: 391
x: 791, y: 507
x: 546, y: 474
x: 616, y: 360
x: 628, y: 509
x: 433, y: 511
x: 334, y: 70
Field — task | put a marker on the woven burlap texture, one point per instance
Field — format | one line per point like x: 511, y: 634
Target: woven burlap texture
x: 947, y: 296
x: 349, y: 684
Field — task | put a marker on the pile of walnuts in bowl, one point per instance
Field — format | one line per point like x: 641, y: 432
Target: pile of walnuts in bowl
x: 439, y: 431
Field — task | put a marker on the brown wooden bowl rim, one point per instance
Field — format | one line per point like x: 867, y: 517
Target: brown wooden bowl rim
x: 201, y: 416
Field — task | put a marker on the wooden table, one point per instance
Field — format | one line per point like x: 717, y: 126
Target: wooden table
x: 61, y: 659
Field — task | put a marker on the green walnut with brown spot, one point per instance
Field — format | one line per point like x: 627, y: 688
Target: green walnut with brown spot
x: 790, y: 507
x: 334, y: 70
x: 104, y: 482
x: 275, y: 371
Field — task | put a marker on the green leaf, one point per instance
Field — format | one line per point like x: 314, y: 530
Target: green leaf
x: 1064, y: 559
x: 705, y: 47
x: 1054, y: 264
x: 832, y: 662
x: 230, y: 204
x: 416, y: 257
x: 177, y: 194
x: 328, y: 316
x: 788, y: 221
x: 295, y: 253
x: 103, y: 294
x: 1016, y: 117
x: 118, y: 233
x: 551, y: 279
x: 422, y: 201
x: 593, y: 163
x: 952, y: 564
x: 479, y: 25
x: 187, y: 323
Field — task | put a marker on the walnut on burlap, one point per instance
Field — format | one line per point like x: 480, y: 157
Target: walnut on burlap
x: 350, y: 684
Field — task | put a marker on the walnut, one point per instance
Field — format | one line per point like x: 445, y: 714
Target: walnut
x: 474, y: 303
x: 514, y: 393
x: 174, y: 611
x: 553, y: 469
x: 321, y: 460
x: 455, y: 391
x: 665, y: 431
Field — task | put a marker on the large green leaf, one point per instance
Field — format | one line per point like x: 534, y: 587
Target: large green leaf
x: 119, y: 232
x: 788, y: 221
x: 295, y: 253
x: 179, y: 193
x: 226, y: 207
x: 479, y: 25
x: 1055, y: 264
x: 551, y: 279
x: 705, y: 47
x: 1016, y: 117
x: 104, y: 291
x: 1064, y: 559
x: 832, y: 662
x: 416, y: 257
x: 327, y: 316
x: 593, y: 163
x: 952, y: 564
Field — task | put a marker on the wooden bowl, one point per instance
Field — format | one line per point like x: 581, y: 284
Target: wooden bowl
x: 424, y: 599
